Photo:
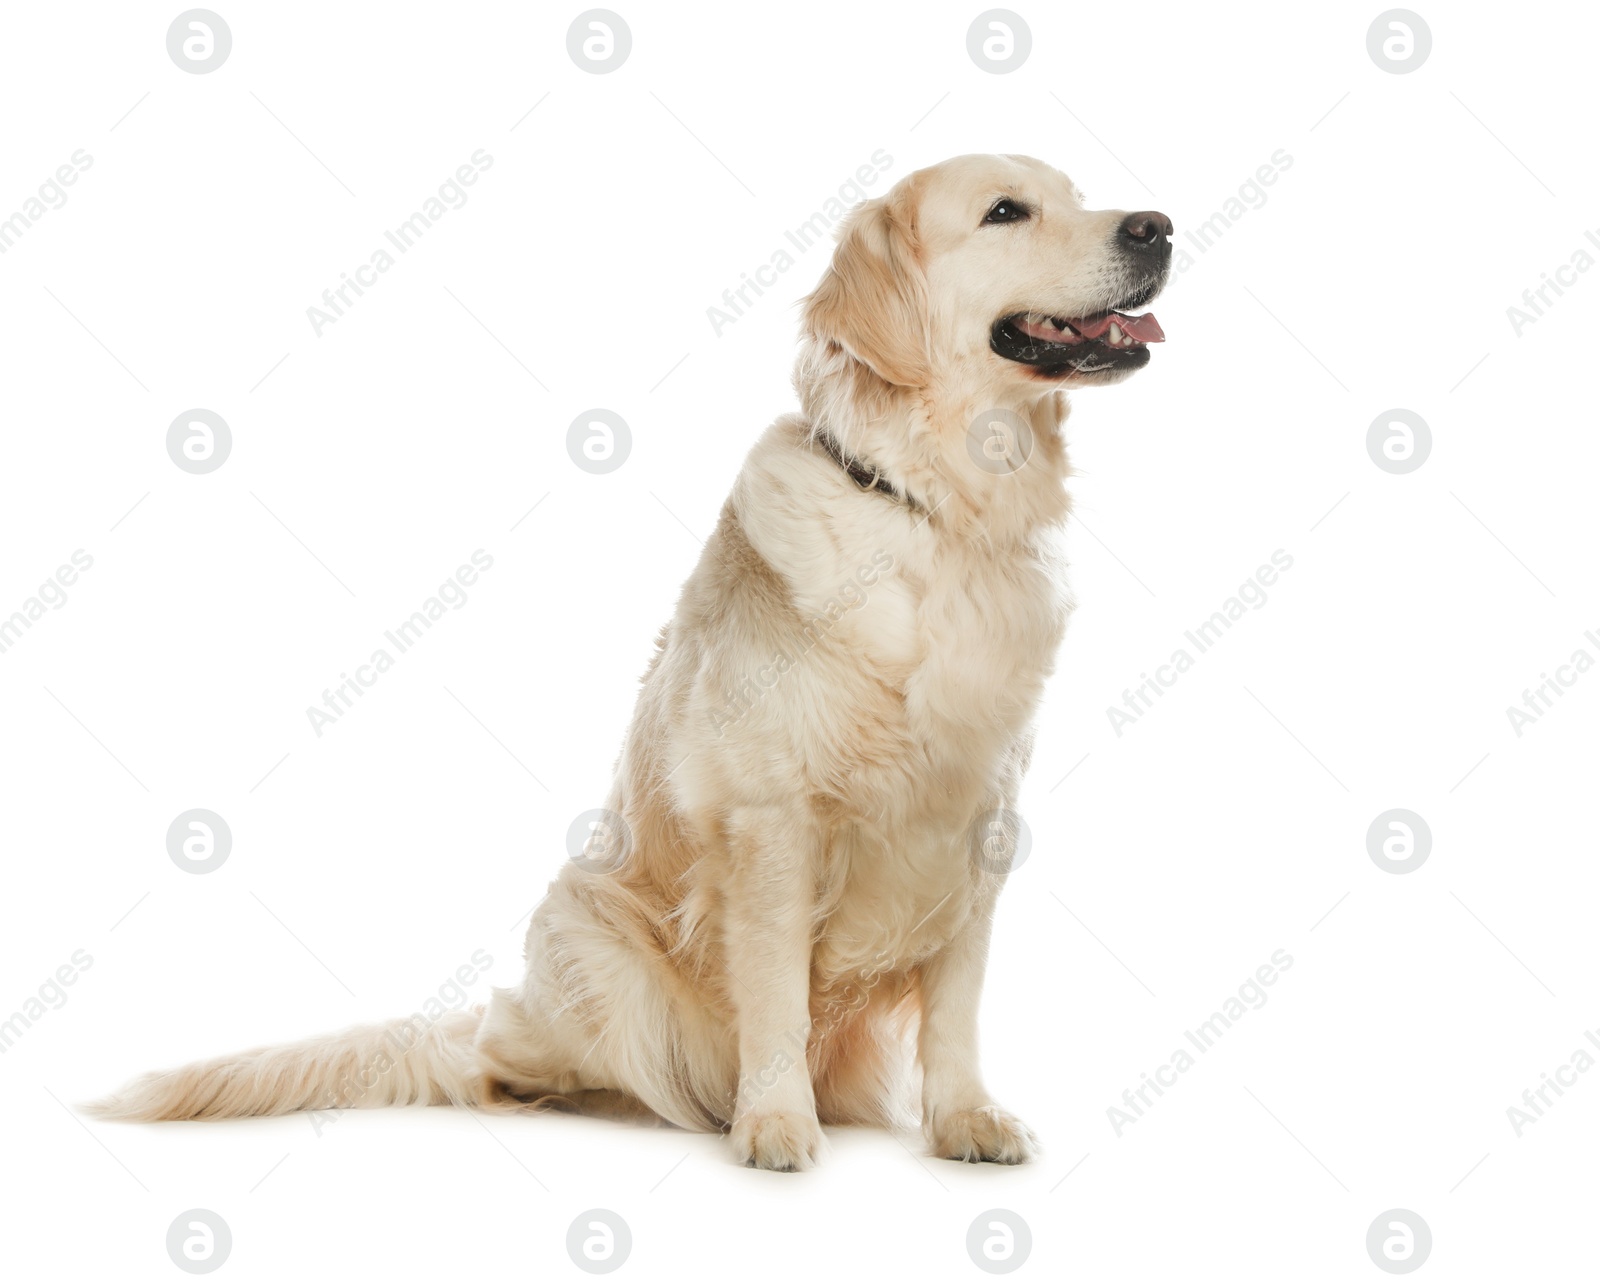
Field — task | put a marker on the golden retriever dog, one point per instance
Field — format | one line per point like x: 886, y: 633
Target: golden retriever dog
x: 781, y: 917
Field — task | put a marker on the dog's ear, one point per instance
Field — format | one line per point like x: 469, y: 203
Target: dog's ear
x: 873, y: 299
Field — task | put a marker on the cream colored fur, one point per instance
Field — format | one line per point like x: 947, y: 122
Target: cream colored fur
x: 798, y: 935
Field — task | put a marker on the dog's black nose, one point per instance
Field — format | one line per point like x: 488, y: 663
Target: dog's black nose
x: 1146, y: 230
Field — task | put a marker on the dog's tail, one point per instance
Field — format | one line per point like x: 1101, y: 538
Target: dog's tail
x: 408, y: 1062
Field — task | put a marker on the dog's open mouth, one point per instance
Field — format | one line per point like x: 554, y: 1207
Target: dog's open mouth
x: 1057, y: 346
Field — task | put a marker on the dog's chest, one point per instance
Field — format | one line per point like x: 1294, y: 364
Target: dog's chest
x: 947, y: 654
x: 940, y: 669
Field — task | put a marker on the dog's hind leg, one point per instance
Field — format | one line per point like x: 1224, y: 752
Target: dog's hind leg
x: 599, y: 1025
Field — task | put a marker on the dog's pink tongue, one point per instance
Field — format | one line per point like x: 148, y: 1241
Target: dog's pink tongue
x: 1144, y: 329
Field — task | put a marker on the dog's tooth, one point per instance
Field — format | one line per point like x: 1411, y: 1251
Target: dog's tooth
x: 1116, y: 335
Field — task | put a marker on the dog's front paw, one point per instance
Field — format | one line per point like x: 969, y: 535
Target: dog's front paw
x: 982, y: 1133
x: 786, y: 1141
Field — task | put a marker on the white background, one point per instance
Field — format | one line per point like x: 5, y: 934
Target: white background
x: 369, y: 462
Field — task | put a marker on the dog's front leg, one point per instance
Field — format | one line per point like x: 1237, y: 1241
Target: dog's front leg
x: 768, y: 900
x: 958, y: 1116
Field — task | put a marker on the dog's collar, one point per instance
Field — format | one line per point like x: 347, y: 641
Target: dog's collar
x: 868, y: 479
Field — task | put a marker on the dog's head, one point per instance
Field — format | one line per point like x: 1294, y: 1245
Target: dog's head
x: 992, y: 266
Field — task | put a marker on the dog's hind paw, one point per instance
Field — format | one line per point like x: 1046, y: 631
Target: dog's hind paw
x: 982, y: 1133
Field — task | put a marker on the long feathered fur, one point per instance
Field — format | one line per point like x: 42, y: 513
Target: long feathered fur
x: 798, y: 928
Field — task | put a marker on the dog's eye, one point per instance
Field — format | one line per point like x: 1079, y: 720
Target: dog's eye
x: 1006, y: 211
